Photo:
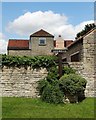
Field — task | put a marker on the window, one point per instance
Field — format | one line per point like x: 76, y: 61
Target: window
x: 42, y: 41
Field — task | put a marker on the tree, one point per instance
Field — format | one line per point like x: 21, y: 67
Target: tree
x: 86, y: 29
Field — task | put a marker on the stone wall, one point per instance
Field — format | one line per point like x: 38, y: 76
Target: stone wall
x: 79, y: 67
x: 19, y: 52
x: 42, y: 49
x: 20, y: 82
x: 87, y: 68
x: 77, y: 47
x: 95, y: 61
x: 89, y: 44
x: 87, y: 65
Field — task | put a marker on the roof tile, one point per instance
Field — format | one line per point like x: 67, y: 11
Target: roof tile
x: 18, y: 44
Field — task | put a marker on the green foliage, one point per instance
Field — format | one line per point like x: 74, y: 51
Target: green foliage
x: 72, y: 84
x: 68, y: 70
x: 35, y: 62
x: 87, y: 28
x: 52, y: 74
x: 49, y: 87
x: 42, y: 85
x: 50, y: 92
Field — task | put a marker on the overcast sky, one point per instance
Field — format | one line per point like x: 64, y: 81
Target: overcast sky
x: 19, y: 20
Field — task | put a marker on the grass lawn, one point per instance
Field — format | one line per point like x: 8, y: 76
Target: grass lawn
x: 35, y: 108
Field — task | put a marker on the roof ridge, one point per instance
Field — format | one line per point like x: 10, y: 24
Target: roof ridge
x: 41, y: 33
x: 81, y: 37
x: 86, y: 33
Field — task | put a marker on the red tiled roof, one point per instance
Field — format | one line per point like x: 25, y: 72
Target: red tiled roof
x: 14, y: 44
x: 41, y: 33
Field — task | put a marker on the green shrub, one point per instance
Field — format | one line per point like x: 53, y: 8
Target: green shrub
x: 73, y: 84
x: 51, y: 92
x: 68, y: 70
x: 41, y: 85
x: 52, y: 74
x: 49, y: 89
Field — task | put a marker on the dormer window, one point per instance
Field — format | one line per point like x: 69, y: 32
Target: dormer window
x: 42, y: 41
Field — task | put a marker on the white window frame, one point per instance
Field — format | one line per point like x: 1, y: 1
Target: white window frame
x: 42, y: 39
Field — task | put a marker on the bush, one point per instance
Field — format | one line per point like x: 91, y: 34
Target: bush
x: 42, y: 85
x: 53, y: 90
x: 52, y: 74
x: 68, y: 70
x: 49, y: 87
x: 73, y: 84
x: 52, y: 94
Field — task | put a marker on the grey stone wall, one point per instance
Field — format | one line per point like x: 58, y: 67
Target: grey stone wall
x: 77, y: 47
x: 42, y: 50
x: 87, y: 68
x: 89, y: 61
x: 95, y: 61
x: 20, y: 82
x: 79, y: 67
x: 19, y: 52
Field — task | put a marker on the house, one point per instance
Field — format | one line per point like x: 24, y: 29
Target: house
x: 81, y: 55
x: 76, y: 50
x: 39, y: 43
x: 18, y: 47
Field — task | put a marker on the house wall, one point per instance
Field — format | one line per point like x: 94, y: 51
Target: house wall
x: 87, y: 68
x: 73, y: 49
x: 19, y: 52
x: 79, y: 67
x: 20, y: 82
x: 42, y: 50
x: 89, y: 61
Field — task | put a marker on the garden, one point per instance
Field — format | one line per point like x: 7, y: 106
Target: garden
x: 59, y: 97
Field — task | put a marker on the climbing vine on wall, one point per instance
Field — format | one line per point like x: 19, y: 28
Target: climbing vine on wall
x: 35, y: 62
